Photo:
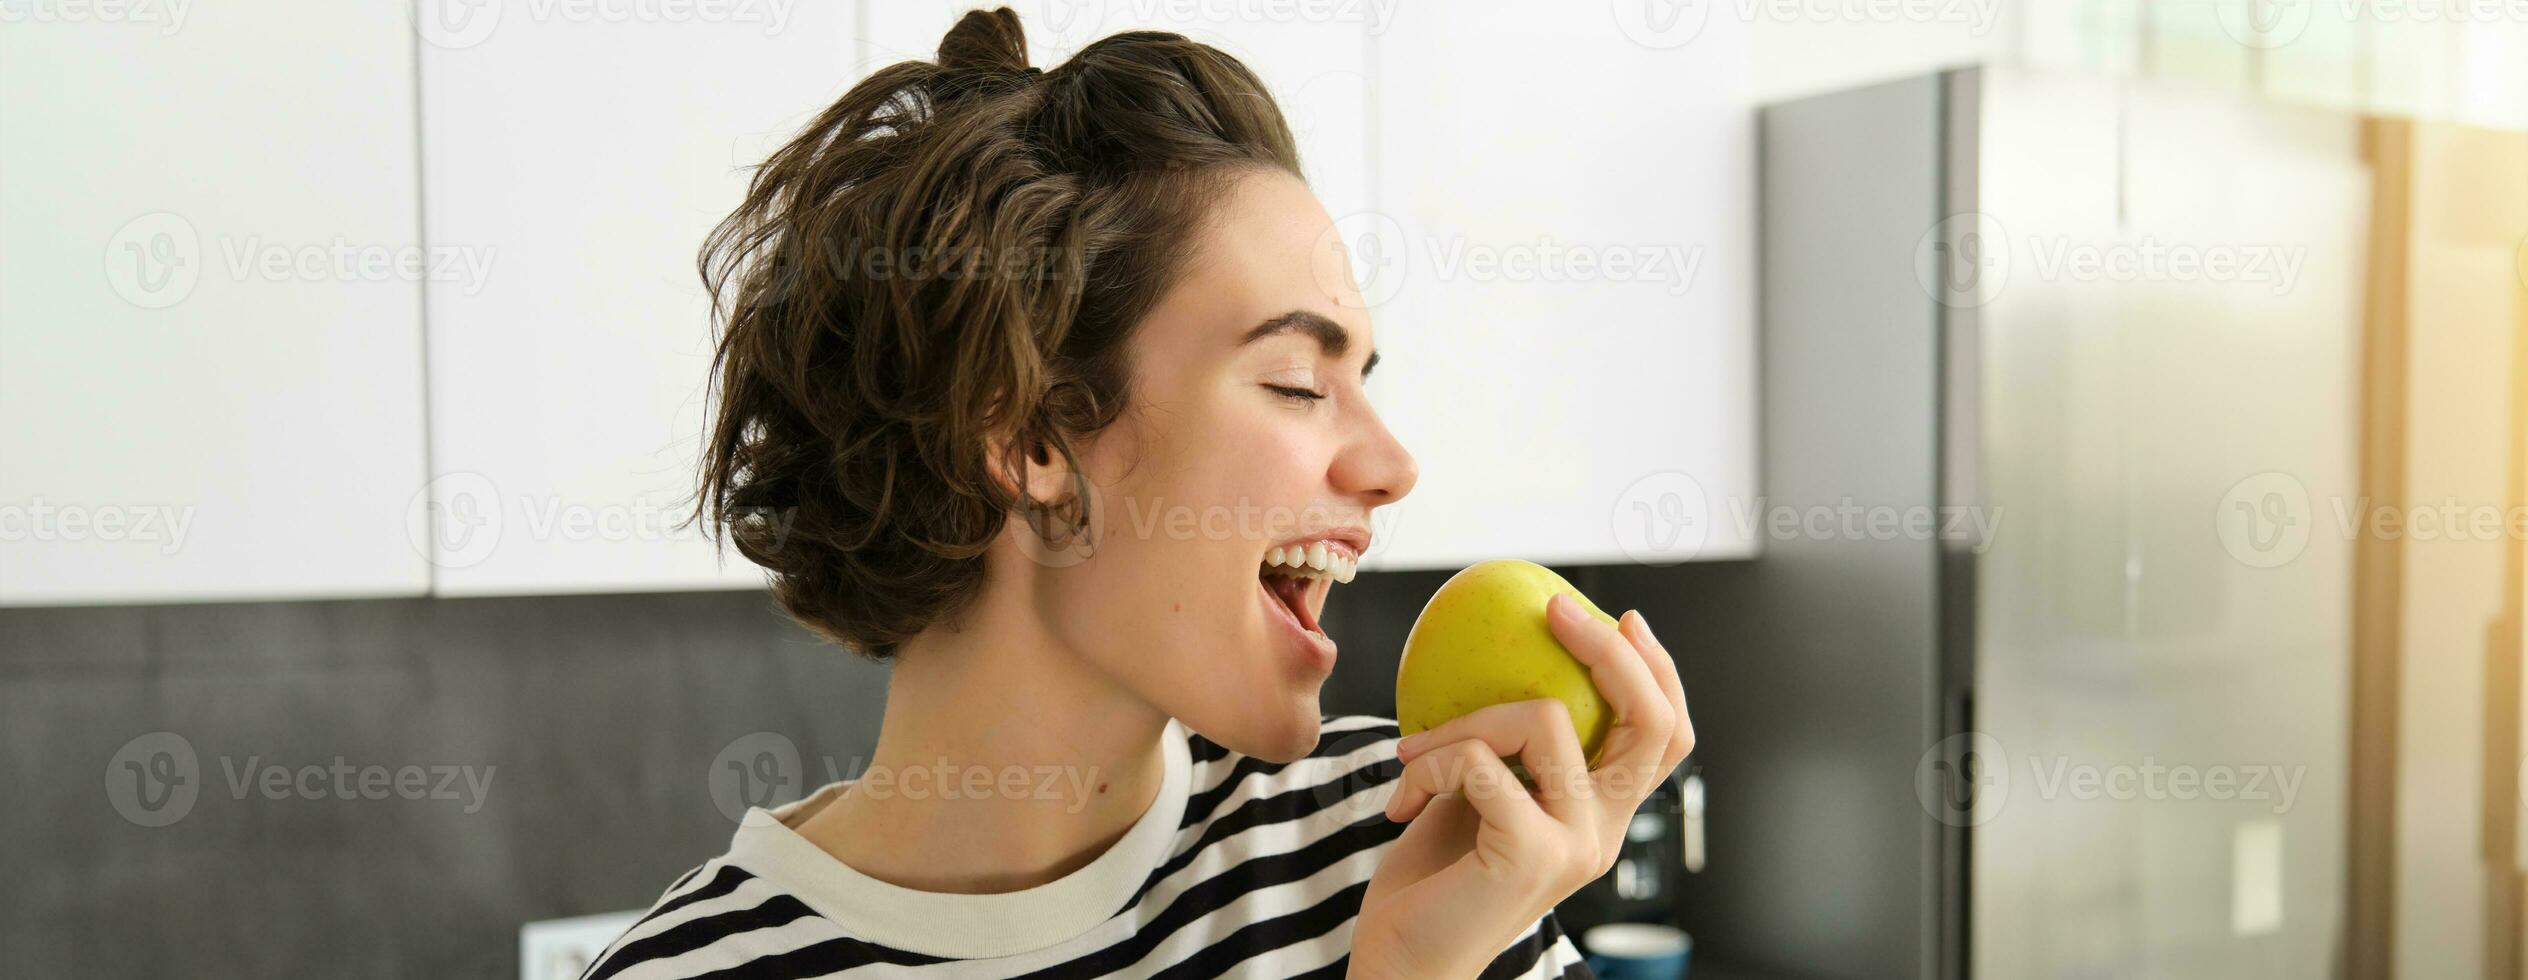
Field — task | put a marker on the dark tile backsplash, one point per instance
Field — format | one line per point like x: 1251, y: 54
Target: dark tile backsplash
x: 589, y: 724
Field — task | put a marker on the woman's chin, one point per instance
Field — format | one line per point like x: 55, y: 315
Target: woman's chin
x: 1285, y: 738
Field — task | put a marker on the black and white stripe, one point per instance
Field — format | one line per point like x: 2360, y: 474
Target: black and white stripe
x: 1263, y: 878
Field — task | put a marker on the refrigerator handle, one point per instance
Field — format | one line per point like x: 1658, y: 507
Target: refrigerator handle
x: 1690, y: 851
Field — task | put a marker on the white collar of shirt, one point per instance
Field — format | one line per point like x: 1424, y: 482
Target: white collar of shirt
x: 966, y: 926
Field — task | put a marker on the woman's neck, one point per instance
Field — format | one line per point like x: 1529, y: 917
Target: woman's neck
x: 1013, y: 762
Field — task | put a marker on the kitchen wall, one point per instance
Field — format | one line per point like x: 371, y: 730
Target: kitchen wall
x: 575, y: 736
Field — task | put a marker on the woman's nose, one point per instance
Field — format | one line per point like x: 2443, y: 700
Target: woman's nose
x: 1377, y: 469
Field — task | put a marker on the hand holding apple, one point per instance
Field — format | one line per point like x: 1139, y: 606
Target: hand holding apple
x: 1484, y: 855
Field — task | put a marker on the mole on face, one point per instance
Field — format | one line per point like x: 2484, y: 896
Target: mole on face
x: 1176, y: 607
x: 1101, y: 787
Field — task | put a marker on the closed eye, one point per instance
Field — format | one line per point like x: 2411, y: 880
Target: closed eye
x: 1295, y: 394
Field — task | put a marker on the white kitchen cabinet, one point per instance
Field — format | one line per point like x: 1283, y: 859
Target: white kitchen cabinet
x: 1561, y: 270
x: 588, y: 157
x: 210, y: 315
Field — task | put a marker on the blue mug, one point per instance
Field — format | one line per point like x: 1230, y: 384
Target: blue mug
x: 1637, y: 951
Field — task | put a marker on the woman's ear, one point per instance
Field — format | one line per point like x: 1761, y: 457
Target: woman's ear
x: 1026, y: 466
x: 1050, y: 476
x: 1054, y: 520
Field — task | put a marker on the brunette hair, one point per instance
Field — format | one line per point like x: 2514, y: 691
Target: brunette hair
x: 953, y: 253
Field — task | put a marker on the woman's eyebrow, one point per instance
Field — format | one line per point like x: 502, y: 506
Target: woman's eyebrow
x: 1330, y: 336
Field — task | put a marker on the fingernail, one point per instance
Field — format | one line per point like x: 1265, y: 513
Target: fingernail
x: 1561, y: 606
x: 1411, y: 742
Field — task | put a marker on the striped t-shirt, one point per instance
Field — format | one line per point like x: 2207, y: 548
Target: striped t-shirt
x: 1240, y: 867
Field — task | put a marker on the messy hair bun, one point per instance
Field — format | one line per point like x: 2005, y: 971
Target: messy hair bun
x: 951, y: 257
x: 985, y: 40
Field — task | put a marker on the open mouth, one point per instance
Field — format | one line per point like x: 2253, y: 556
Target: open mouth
x: 1298, y: 577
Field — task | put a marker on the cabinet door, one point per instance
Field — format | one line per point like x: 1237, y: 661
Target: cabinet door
x: 585, y: 158
x: 1559, y: 263
x: 210, y: 319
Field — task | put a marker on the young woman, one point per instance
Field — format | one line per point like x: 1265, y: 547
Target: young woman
x: 1045, y: 388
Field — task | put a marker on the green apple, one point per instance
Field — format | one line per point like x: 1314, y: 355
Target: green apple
x: 1483, y: 640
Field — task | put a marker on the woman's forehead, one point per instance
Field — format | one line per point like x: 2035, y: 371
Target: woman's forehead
x: 1268, y: 250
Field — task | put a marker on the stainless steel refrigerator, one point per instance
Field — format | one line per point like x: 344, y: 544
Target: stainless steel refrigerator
x: 2057, y: 376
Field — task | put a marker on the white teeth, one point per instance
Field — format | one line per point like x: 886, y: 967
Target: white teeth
x: 1313, y: 561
